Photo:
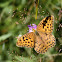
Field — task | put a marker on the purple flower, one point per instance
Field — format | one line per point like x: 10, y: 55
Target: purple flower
x: 33, y: 26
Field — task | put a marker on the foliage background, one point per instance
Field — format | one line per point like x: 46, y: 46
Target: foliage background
x: 15, y: 16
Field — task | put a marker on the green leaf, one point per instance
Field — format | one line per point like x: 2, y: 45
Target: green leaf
x: 5, y: 36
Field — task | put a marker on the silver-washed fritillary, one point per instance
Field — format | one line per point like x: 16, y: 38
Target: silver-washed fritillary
x: 42, y: 39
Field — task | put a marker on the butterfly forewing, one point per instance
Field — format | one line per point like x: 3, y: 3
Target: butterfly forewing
x: 26, y: 40
x: 46, y: 25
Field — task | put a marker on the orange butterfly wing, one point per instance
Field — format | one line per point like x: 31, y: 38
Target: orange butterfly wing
x: 43, y: 42
x: 45, y: 39
x: 46, y: 25
x: 26, y: 40
x: 40, y: 47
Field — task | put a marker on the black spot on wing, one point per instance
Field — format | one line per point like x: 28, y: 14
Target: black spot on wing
x: 20, y: 40
x: 23, y: 38
x: 31, y: 41
x: 50, y: 24
x: 47, y: 27
x: 28, y: 42
x: 48, y: 17
x: 26, y: 39
x: 44, y: 23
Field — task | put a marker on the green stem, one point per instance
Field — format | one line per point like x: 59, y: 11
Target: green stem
x: 37, y: 2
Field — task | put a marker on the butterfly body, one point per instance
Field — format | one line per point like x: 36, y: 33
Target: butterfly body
x: 41, y: 39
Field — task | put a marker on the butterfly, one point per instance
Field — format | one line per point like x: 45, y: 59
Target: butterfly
x: 41, y: 39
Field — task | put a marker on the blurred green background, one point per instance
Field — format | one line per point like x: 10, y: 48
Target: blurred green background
x: 15, y: 16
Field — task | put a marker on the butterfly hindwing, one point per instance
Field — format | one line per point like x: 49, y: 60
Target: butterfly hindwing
x: 46, y: 25
x: 43, y: 42
x: 40, y: 47
x: 26, y: 40
x: 50, y: 40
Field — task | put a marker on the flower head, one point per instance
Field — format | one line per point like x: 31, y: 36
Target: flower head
x: 31, y: 27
